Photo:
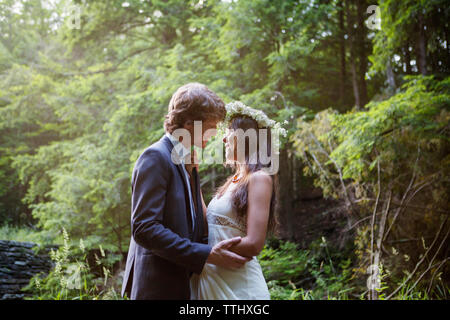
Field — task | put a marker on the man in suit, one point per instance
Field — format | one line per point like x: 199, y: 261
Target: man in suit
x: 169, y: 235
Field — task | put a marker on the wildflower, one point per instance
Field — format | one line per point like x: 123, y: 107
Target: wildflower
x: 101, y: 251
x: 37, y: 282
x: 82, y: 247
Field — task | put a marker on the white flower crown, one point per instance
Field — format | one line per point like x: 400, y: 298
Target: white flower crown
x: 238, y: 108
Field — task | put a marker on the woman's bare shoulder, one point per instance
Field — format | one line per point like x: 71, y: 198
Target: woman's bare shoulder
x: 260, y: 178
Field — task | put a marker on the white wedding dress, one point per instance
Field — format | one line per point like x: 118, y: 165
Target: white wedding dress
x: 218, y: 283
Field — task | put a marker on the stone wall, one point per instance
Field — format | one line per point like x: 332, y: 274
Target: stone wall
x: 18, y: 264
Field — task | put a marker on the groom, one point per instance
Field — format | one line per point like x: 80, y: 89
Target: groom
x: 168, y: 241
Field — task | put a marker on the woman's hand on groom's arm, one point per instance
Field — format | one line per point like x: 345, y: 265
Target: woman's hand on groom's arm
x: 220, y: 255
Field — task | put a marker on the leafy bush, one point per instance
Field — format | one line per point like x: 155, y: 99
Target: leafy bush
x: 318, y: 272
x: 73, y: 278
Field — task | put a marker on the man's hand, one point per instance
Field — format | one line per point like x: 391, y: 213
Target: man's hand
x: 221, y: 256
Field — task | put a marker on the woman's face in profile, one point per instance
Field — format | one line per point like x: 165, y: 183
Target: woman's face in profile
x: 230, y: 145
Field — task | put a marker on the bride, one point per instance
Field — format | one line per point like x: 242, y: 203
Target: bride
x: 244, y: 206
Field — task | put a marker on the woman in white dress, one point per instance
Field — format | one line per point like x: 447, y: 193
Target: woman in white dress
x: 243, y: 207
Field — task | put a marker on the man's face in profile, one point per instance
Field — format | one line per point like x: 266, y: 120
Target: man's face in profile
x: 200, y: 138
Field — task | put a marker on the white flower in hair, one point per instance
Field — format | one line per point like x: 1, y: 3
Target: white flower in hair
x: 238, y: 108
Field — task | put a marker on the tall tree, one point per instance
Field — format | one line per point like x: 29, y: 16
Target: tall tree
x: 412, y: 33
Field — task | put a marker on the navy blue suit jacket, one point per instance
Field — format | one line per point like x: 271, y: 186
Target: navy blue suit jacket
x: 164, y: 250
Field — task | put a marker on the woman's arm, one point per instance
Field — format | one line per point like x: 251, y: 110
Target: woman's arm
x: 205, y: 222
x: 204, y: 206
x: 258, y: 209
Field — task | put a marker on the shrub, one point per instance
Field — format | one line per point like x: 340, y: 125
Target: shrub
x: 318, y: 272
x: 74, y: 278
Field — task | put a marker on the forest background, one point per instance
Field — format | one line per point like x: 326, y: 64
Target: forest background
x: 364, y: 171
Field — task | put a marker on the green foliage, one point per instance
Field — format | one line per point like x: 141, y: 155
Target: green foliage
x: 407, y: 136
x: 317, y: 272
x: 10, y: 232
x: 420, y: 109
x: 72, y: 277
x: 397, y: 42
x: 284, y: 262
x: 78, y: 106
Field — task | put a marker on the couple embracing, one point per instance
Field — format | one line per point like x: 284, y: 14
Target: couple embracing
x: 180, y: 248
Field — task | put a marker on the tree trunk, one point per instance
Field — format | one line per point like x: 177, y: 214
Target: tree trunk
x: 421, y: 46
x: 286, y: 193
x: 390, y: 77
x: 361, y: 36
x: 343, y: 75
x: 355, y: 85
x: 353, y: 55
x: 407, y: 57
x: 446, y: 42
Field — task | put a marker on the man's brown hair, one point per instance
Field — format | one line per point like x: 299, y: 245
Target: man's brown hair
x: 193, y: 101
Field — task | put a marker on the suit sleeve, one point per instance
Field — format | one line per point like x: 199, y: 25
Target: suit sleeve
x: 149, y: 187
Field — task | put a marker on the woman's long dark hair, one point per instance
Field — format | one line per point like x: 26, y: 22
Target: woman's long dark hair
x: 240, y: 193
